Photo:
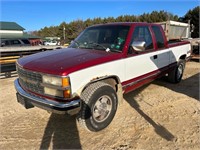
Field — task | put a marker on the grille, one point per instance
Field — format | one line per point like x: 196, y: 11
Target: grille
x: 30, y: 80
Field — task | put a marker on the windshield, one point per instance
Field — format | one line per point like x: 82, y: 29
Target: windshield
x: 108, y: 38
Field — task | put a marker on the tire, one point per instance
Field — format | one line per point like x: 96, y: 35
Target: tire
x: 98, y: 108
x: 175, y: 76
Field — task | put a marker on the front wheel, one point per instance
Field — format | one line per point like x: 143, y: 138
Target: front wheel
x: 98, y: 107
x: 175, y: 76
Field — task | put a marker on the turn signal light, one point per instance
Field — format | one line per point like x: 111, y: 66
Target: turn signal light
x: 66, y: 93
x: 65, y: 82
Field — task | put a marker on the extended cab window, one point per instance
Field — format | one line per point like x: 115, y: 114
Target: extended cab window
x: 159, y: 37
x: 141, y: 39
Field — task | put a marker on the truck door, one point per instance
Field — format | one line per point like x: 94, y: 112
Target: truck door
x: 163, y: 53
x: 142, y: 62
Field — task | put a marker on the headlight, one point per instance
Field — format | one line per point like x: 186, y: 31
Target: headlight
x: 56, y: 86
x: 57, y: 81
x: 52, y: 80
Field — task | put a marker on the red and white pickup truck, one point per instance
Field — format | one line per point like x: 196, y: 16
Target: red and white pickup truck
x: 91, y: 75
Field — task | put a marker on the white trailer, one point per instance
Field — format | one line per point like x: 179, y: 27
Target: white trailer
x: 181, y: 31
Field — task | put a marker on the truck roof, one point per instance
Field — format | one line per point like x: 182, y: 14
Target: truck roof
x: 125, y: 23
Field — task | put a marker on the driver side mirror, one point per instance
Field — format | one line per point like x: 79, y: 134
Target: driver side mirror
x: 138, y: 45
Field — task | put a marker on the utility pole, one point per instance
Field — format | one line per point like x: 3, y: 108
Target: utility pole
x: 64, y: 32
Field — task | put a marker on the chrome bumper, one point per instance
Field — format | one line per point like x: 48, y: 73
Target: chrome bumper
x: 30, y: 101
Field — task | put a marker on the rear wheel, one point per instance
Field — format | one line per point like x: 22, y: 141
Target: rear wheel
x: 98, y: 107
x: 175, y: 76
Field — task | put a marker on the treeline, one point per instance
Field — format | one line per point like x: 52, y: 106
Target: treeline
x: 193, y: 16
x: 69, y: 31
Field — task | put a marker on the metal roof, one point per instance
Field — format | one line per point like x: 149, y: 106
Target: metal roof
x: 10, y: 26
x: 18, y: 36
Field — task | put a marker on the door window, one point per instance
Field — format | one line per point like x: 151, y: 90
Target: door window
x: 141, y: 38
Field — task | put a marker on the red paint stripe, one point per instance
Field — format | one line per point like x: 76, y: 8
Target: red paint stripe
x: 137, y: 82
x: 140, y: 78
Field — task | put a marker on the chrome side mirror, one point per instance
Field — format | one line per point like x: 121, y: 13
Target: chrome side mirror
x: 138, y: 45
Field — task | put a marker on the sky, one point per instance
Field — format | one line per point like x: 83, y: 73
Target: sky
x: 36, y: 14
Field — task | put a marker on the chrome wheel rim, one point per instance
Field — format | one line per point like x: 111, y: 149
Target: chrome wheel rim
x: 180, y: 71
x: 102, y: 108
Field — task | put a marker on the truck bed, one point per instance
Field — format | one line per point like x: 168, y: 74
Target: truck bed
x: 194, y: 46
x: 172, y: 43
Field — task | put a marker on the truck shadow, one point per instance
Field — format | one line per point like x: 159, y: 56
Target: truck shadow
x: 189, y: 86
x: 61, y: 131
x: 159, y: 129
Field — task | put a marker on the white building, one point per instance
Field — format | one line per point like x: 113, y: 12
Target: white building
x: 10, y: 30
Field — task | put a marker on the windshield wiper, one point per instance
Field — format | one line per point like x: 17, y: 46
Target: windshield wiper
x: 96, y: 44
x: 115, y: 50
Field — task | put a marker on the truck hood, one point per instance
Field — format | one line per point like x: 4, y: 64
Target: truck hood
x: 64, y: 61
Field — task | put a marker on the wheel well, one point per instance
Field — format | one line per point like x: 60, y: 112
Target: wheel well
x: 111, y: 80
x: 183, y: 57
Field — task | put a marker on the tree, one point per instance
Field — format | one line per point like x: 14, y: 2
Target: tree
x: 73, y: 28
x: 193, y: 16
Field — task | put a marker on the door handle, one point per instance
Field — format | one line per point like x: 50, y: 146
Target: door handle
x: 155, y: 56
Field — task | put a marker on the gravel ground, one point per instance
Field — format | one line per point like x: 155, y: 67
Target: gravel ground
x: 157, y: 116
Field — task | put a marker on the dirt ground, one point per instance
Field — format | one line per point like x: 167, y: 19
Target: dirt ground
x: 157, y: 116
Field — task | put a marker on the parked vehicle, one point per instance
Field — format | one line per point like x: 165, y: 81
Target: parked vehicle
x: 51, y: 43
x: 101, y: 64
x: 10, y: 54
x: 14, y: 42
x: 66, y: 44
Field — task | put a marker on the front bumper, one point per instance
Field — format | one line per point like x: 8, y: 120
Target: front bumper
x: 30, y: 101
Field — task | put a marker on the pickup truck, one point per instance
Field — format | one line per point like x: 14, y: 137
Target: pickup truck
x: 90, y: 77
